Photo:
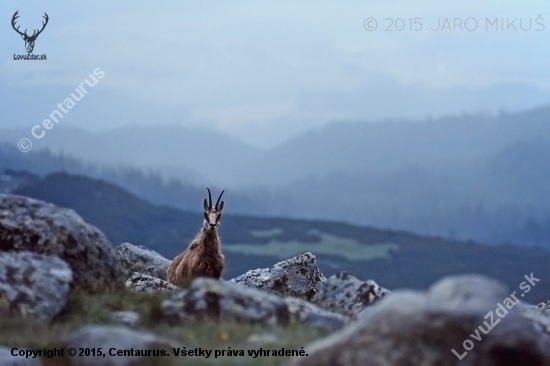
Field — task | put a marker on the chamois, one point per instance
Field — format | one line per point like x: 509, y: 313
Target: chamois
x: 203, y: 257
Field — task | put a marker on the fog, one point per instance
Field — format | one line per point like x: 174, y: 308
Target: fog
x: 263, y: 72
x: 297, y: 108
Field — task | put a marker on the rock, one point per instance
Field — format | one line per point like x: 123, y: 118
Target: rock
x: 345, y: 294
x: 304, y: 312
x: 209, y: 299
x: 33, y: 284
x: 136, y: 258
x: 40, y: 227
x: 7, y: 359
x: 297, y: 277
x: 414, y: 328
x: 544, y: 306
x: 538, y: 315
x: 143, y: 345
x: 129, y: 318
x: 140, y: 282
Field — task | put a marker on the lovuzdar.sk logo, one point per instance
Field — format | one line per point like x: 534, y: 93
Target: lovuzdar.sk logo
x: 29, y: 40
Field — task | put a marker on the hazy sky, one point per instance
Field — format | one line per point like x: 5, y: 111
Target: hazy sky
x: 265, y: 70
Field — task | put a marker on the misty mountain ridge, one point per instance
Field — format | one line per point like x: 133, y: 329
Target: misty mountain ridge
x: 192, y: 154
x: 358, y: 147
x: 466, y: 177
x: 196, y: 154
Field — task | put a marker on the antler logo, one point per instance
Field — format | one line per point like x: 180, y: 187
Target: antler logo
x: 29, y: 40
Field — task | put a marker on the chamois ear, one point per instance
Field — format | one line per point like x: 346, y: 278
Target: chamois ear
x: 217, y: 207
x: 220, y: 207
x: 205, y: 204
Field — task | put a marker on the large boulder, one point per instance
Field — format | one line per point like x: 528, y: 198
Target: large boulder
x: 130, y: 346
x: 140, y: 282
x: 464, y: 320
x: 208, y: 299
x: 300, y: 277
x: 33, y: 284
x: 297, y: 277
x: 31, y: 225
x: 137, y: 258
x: 347, y: 295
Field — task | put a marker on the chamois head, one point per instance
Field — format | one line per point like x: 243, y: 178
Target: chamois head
x: 212, y: 215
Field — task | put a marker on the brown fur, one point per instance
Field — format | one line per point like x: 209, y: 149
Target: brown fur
x: 203, y: 256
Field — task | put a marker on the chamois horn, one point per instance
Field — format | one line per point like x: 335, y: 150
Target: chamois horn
x: 219, y: 198
x: 209, y: 198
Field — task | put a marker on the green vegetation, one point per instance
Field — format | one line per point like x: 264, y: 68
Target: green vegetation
x: 266, y: 233
x: 349, y: 249
x: 83, y: 308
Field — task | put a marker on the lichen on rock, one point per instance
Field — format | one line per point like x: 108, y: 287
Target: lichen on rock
x: 298, y: 277
x: 33, y: 285
x: 31, y: 225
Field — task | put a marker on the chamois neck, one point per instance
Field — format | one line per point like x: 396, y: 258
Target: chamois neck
x: 207, y: 233
x: 209, y: 239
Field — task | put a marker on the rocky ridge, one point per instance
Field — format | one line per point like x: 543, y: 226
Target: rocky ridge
x: 46, y: 252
